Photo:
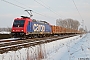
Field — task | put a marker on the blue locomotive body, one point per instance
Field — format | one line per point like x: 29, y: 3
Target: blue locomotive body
x: 38, y: 28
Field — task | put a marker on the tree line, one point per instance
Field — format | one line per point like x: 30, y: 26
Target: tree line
x: 69, y: 23
x: 5, y: 29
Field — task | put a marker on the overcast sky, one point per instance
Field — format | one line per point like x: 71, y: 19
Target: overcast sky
x: 48, y: 10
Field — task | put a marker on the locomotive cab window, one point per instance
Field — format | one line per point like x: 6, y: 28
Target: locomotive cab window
x: 18, y: 23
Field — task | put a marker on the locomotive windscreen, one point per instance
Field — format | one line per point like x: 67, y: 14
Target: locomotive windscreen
x: 18, y: 23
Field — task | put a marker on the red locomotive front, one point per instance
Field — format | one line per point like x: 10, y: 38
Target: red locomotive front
x: 19, y: 27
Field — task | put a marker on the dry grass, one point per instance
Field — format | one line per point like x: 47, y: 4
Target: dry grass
x: 38, y: 54
x: 3, y: 36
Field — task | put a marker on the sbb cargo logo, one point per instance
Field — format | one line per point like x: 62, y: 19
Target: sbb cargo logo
x: 37, y: 27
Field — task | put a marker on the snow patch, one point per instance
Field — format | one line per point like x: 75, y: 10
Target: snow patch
x: 4, y: 32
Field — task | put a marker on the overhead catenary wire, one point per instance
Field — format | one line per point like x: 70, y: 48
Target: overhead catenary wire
x: 13, y: 4
x: 43, y: 6
x: 60, y: 15
x: 77, y: 9
x: 47, y: 7
x: 26, y: 8
x: 30, y: 7
x: 82, y: 24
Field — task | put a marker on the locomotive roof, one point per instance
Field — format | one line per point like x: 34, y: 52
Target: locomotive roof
x: 25, y: 17
x: 34, y: 20
x: 44, y: 22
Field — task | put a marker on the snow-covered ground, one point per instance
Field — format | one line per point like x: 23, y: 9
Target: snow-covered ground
x: 10, y: 39
x: 4, y: 32
x: 73, y: 48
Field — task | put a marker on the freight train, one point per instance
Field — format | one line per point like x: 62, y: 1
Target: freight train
x: 27, y: 27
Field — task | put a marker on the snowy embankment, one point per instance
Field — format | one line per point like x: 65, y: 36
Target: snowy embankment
x: 73, y: 48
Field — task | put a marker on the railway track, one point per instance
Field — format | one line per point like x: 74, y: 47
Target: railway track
x: 16, y: 43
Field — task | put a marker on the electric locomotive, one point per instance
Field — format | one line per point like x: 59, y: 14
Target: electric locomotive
x: 26, y: 27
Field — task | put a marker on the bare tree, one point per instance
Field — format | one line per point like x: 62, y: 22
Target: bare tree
x: 59, y: 22
x: 68, y: 23
x: 0, y: 30
x: 5, y: 29
x: 81, y: 29
x: 9, y: 29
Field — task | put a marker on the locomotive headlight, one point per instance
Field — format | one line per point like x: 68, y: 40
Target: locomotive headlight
x: 21, y: 30
x: 13, y: 30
